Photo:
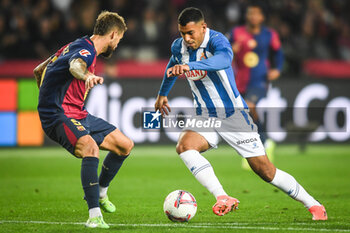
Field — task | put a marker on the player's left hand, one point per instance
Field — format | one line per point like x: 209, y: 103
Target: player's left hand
x: 177, y: 70
x: 162, y: 105
x: 92, y: 80
x: 273, y: 74
x: 236, y: 47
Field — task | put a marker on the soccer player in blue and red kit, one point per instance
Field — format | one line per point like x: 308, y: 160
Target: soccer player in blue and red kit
x: 64, y: 80
x: 252, y: 45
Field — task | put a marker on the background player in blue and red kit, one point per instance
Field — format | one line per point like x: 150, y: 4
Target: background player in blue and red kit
x: 64, y: 80
x: 253, y: 44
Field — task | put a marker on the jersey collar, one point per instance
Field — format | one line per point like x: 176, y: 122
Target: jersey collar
x: 87, y: 39
x: 206, y: 39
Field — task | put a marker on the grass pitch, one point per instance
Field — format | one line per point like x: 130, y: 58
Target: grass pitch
x: 40, y: 191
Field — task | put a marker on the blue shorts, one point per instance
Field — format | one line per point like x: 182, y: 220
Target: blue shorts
x: 69, y: 130
x: 254, y: 94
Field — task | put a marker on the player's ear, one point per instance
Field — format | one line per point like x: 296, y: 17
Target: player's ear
x: 112, y: 35
x: 204, y: 26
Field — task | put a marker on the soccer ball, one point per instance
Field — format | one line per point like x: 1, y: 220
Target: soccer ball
x: 180, y: 206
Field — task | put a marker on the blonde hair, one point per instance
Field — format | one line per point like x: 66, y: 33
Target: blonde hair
x: 106, y: 21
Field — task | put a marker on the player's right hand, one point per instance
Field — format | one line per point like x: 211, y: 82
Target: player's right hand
x: 273, y: 74
x: 177, y: 70
x: 92, y: 80
x: 162, y: 105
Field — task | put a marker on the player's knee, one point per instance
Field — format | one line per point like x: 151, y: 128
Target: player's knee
x: 182, y: 147
x: 86, y: 147
x: 179, y: 148
x: 128, y: 147
x: 125, y: 149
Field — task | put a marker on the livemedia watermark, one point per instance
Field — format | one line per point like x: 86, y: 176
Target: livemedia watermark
x: 320, y: 119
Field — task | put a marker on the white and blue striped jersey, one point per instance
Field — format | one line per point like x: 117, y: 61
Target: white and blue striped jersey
x: 215, y: 94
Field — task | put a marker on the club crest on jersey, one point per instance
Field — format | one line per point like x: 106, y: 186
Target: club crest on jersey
x: 195, y: 75
x: 81, y: 128
x: 84, y: 53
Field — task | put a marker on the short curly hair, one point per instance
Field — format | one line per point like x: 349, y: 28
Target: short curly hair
x: 106, y: 21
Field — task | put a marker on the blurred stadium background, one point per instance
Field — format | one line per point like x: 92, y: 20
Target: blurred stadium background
x: 40, y: 187
x: 315, y: 37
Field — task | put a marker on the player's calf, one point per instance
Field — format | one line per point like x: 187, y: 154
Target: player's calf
x: 110, y: 167
x: 262, y: 167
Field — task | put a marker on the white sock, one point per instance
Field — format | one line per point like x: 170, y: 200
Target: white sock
x: 289, y: 185
x: 95, y: 212
x: 202, y: 171
x: 103, y: 192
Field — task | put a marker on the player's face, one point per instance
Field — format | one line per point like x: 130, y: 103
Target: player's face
x: 255, y: 16
x: 114, y: 40
x: 193, y: 33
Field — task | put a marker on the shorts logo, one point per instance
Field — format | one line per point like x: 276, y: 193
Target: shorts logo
x: 78, y: 125
x: 84, y: 52
x: 246, y: 141
x: 151, y: 120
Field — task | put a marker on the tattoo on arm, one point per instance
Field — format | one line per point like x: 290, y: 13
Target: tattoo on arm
x: 38, y: 71
x: 78, y: 68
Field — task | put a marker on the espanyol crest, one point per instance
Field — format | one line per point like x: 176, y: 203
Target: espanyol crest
x: 195, y: 75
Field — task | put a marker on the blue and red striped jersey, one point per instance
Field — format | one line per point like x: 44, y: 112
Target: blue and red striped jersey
x: 60, y: 92
x: 251, y: 62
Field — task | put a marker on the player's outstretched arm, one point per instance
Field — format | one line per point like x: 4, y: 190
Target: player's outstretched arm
x: 177, y: 70
x: 78, y: 68
x: 38, y: 71
x: 275, y: 45
x: 162, y: 105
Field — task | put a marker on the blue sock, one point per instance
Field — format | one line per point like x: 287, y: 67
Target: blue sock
x: 261, y: 131
x: 89, y: 180
x: 110, y: 168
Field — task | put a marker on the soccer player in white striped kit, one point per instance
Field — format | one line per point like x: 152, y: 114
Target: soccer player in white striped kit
x: 215, y: 95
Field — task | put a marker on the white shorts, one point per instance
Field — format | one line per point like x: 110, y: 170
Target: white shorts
x: 238, y: 130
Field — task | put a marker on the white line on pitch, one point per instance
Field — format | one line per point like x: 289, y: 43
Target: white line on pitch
x: 200, y: 225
